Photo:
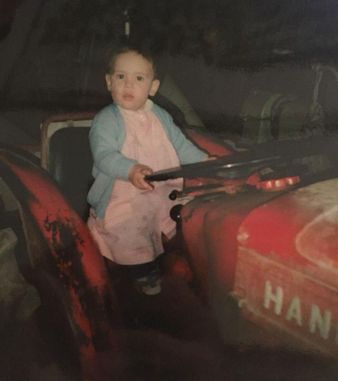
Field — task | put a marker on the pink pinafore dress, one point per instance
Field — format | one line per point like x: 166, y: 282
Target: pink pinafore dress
x: 131, y: 230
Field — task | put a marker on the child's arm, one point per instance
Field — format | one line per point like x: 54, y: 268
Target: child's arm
x: 187, y: 151
x: 103, y: 139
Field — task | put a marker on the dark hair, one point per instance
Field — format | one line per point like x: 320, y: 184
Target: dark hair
x: 130, y: 48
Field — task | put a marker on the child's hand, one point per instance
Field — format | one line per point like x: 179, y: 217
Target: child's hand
x: 136, y: 176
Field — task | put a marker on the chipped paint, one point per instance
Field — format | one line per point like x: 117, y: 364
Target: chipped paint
x: 77, y: 261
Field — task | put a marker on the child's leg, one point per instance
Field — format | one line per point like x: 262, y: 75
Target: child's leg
x: 146, y: 277
x: 142, y: 270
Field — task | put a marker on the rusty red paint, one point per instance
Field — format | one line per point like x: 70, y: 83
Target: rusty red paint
x: 288, y: 301
x: 194, y: 239
x: 272, y: 229
x: 240, y: 244
x: 77, y: 259
x: 210, y: 231
x: 286, y: 272
x: 49, y: 207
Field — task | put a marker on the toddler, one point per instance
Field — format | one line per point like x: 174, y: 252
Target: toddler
x: 129, y: 139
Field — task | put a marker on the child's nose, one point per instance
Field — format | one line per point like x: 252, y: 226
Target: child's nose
x: 129, y: 82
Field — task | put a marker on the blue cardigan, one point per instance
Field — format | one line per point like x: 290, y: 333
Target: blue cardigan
x: 106, y: 137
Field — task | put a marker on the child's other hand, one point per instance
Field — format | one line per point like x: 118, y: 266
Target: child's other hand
x: 136, y: 176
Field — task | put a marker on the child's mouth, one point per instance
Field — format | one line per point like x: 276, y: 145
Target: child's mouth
x: 128, y: 97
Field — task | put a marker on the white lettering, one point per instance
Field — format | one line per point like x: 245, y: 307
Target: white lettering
x: 294, y: 311
x: 276, y: 298
x: 322, y: 322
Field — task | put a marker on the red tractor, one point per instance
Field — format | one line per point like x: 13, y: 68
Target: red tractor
x: 272, y: 245
x: 257, y: 238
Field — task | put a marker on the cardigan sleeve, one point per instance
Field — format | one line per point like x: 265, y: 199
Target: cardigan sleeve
x: 187, y: 151
x: 105, y: 143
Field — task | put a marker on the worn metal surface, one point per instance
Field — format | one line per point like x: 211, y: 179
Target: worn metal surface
x: 276, y: 252
x: 287, y: 265
x: 77, y: 263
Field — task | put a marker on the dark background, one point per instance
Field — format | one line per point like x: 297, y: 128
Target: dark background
x: 53, y: 53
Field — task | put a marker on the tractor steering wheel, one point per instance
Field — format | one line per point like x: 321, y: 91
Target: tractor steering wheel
x: 237, y: 166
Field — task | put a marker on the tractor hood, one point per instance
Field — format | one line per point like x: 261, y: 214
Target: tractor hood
x: 298, y: 229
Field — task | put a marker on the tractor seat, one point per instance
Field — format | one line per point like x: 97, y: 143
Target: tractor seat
x: 70, y: 164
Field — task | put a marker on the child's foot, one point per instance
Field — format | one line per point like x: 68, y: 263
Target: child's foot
x: 150, y: 284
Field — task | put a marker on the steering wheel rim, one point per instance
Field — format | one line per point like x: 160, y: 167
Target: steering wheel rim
x: 235, y: 166
x: 261, y: 155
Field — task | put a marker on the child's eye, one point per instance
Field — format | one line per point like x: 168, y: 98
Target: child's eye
x: 119, y: 76
x: 140, y: 78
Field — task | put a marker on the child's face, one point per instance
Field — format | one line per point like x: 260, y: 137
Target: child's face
x: 132, y: 81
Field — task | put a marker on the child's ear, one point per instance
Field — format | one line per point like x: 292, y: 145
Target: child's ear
x: 154, y: 87
x: 108, y: 81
